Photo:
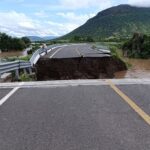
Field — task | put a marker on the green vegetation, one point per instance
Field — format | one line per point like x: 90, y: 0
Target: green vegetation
x: 82, y: 39
x: 114, y: 24
x: 8, y: 43
x: 34, y: 48
x: 137, y: 47
x: 26, y: 77
x: 115, y: 48
x: 14, y: 58
x: 114, y: 52
x: 25, y: 58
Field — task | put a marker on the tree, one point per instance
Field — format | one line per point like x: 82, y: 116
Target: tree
x: 4, y: 41
x: 26, y: 41
x: 89, y: 39
x: 76, y: 38
x: 8, y: 43
x: 137, y: 46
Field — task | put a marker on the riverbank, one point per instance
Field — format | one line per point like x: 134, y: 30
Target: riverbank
x: 137, y: 68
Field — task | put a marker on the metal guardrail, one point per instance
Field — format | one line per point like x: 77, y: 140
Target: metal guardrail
x: 17, y: 65
x: 12, y: 66
x: 37, y: 54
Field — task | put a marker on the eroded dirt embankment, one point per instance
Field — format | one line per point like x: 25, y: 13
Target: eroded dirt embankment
x: 78, y: 68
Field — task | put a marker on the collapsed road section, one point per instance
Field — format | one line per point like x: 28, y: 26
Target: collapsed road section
x: 78, y: 61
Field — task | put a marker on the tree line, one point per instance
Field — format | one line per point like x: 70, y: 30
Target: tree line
x: 8, y: 43
x: 138, y: 46
x: 81, y: 39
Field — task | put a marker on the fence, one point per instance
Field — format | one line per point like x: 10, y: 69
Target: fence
x: 37, y: 54
x: 17, y: 65
x: 14, y: 66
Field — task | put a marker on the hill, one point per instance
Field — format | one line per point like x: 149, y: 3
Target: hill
x: 37, y: 38
x: 119, y: 21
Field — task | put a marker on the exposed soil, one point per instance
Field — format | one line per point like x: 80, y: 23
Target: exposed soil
x: 78, y: 68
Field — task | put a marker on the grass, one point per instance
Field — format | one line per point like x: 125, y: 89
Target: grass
x: 25, y: 77
x: 115, y: 48
x: 24, y: 58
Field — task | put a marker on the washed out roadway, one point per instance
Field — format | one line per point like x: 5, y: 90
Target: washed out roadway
x: 74, y: 51
x: 81, y: 117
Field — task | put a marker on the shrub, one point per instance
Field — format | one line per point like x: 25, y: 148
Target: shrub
x: 25, y: 77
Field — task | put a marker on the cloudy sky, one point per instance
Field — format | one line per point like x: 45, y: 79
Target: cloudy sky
x: 51, y: 17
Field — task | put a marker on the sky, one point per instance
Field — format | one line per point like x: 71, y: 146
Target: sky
x: 52, y: 17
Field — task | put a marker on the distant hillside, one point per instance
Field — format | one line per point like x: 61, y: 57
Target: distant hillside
x: 120, y: 21
x: 37, y: 38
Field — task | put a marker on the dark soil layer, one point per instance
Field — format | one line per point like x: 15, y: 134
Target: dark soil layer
x: 78, y: 68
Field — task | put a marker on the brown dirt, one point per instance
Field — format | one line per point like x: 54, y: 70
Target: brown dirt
x: 78, y: 68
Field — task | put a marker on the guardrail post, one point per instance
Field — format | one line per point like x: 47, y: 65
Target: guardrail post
x: 25, y: 71
x: 30, y: 71
x: 0, y: 76
x: 17, y: 74
x: 46, y: 51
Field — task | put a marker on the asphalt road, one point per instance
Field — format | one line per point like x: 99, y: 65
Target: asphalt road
x: 3, y: 92
x: 75, y: 115
x: 76, y: 50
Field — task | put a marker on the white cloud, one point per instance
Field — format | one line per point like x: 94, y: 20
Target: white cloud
x: 144, y: 3
x: 72, y: 5
x: 72, y: 17
x: 19, y: 24
x: 62, y: 28
x: 77, y: 4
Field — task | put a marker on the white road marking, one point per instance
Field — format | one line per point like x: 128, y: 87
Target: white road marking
x: 78, y: 52
x: 55, y: 53
x: 57, y: 50
x: 5, y: 98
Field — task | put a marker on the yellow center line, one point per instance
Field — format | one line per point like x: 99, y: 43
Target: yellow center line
x: 130, y: 102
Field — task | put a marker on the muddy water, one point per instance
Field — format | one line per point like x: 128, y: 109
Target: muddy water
x: 13, y: 53
x: 140, y: 69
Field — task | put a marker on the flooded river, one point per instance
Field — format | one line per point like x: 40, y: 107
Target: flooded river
x: 13, y: 53
x: 140, y: 69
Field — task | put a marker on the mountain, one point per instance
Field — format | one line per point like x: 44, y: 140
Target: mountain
x: 119, y: 21
x: 37, y: 38
x: 49, y: 37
